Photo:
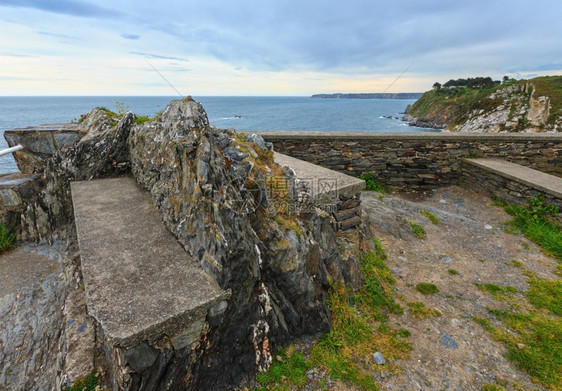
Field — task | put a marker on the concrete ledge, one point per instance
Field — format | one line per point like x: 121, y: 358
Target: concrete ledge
x: 140, y: 283
x: 324, y: 181
x: 540, y: 181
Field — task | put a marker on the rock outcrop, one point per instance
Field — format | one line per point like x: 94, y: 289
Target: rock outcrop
x: 514, y: 107
x: 229, y: 206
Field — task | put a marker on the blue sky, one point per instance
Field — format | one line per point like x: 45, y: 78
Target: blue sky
x: 278, y: 47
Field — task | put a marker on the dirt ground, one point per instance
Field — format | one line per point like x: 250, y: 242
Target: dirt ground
x: 452, y: 351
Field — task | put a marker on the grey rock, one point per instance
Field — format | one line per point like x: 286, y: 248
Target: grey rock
x: 379, y: 358
x: 141, y: 357
x: 448, y: 341
x: 9, y: 197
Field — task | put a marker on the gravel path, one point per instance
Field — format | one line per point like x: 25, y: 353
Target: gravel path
x: 451, y: 351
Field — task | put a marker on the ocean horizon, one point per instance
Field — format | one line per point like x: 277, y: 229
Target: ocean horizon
x: 268, y: 113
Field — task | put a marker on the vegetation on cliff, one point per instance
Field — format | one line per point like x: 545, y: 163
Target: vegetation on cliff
x: 481, y: 104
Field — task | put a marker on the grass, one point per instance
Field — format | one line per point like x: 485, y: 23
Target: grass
x: 426, y: 288
x: 453, y: 272
x: 533, y: 221
x: 514, y: 263
x: 418, y: 230
x: 372, y: 184
x: 533, y: 336
x: 497, y: 291
x: 492, y: 387
x: 419, y: 310
x: 534, y: 343
x: 431, y: 217
x: 7, y: 238
x: 359, y: 328
x: 550, y: 86
x: 88, y: 383
x: 546, y: 295
x: 291, y: 370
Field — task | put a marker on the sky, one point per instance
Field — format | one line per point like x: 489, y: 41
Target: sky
x: 269, y: 47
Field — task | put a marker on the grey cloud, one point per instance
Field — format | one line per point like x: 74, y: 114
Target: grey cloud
x: 158, y: 56
x: 66, y: 7
x: 130, y: 36
x: 364, y: 36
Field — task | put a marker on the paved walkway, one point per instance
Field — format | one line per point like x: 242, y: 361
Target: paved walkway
x: 140, y: 283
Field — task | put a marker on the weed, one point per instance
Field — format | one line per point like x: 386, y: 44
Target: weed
x: 533, y: 222
x: 431, y: 217
x: 404, y: 333
x: 426, y: 288
x: 498, y: 292
x: 492, y: 387
x: 534, y: 343
x: 453, y: 272
x: 87, y: 383
x: 546, y: 294
x: 290, y: 370
x: 353, y: 336
x: 514, y: 263
x: 419, y: 310
x: 418, y: 230
x: 7, y: 238
x: 372, y: 184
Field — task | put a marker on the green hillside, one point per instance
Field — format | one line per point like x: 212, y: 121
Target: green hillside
x: 504, y: 106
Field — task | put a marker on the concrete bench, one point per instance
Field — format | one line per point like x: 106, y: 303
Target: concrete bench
x: 511, y: 182
x: 332, y: 191
x: 140, y: 283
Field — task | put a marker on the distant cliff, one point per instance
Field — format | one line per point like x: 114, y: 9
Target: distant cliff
x: 513, y: 106
x: 378, y: 95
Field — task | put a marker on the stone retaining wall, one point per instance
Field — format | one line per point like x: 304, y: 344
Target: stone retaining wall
x: 505, y: 189
x: 416, y: 160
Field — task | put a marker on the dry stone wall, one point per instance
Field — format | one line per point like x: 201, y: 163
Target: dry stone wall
x: 416, y: 160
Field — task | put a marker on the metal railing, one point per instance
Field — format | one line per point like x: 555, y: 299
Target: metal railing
x: 11, y: 150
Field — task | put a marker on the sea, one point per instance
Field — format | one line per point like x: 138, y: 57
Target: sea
x: 241, y: 113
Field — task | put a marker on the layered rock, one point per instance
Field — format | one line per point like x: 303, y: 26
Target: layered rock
x: 211, y: 187
x: 515, y: 107
x: 227, y: 203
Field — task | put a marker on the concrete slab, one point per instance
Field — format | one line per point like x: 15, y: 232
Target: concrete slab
x: 140, y: 283
x: 538, y: 180
x: 324, y: 180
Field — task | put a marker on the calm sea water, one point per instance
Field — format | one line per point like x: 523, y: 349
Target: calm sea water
x: 242, y: 113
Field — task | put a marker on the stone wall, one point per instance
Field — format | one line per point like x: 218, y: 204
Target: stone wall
x: 416, y: 160
x: 505, y: 189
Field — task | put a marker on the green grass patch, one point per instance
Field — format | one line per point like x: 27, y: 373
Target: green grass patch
x: 533, y: 222
x: 88, y: 383
x: 360, y: 325
x: 497, y: 291
x: 546, y: 294
x: 291, y: 370
x: 534, y: 343
x: 492, y: 387
x: 426, y: 288
x: 514, y: 263
x: 372, y: 184
x: 419, y: 310
x: 418, y: 230
x: 431, y: 217
x: 7, y: 238
x: 453, y: 272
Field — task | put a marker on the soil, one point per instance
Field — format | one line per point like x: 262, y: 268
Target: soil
x: 452, y: 351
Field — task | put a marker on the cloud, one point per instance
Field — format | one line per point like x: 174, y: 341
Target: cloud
x: 130, y: 36
x: 158, y: 56
x: 66, y: 7
x: 16, y: 55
